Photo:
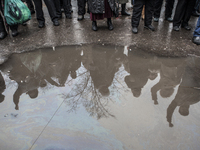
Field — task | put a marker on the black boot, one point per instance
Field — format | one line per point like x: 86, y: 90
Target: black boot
x: 3, y: 35
x: 123, y: 12
x: 94, y: 26
x: 110, y: 26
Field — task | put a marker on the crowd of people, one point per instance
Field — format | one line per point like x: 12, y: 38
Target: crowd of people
x: 107, y: 9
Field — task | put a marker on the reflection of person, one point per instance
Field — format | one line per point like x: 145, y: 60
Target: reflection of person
x: 69, y: 61
x: 24, y: 73
x: 2, y: 88
x: 104, y: 64
x: 139, y: 72
x: 170, y: 76
x: 188, y: 92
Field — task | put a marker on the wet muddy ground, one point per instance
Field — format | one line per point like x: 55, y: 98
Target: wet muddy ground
x: 164, y: 41
x: 99, y: 97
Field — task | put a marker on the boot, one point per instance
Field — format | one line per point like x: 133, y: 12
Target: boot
x: 3, y: 35
x: 94, y: 26
x: 110, y: 26
x: 123, y: 12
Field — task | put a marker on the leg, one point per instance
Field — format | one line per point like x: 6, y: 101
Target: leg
x: 169, y: 8
x: 137, y: 11
x: 58, y: 8
x: 124, y: 12
x: 179, y: 13
x: 39, y: 12
x: 197, y: 30
x: 81, y: 9
x: 14, y: 30
x: 51, y: 9
x: 149, y: 6
x: 157, y: 8
x: 188, y: 13
x: 67, y: 8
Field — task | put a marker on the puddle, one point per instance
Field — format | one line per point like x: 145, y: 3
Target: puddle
x: 99, y: 97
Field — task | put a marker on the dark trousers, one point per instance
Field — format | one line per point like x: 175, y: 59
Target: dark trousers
x: 183, y: 12
x: 169, y: 8
x: 66, y: 5
x: 81, y: 7
x: 137, y: 11
x: 30, y: 5
x: 157, y: 8
x: 51, y: 9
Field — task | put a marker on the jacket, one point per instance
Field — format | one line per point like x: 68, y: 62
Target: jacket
x: 97, y: 6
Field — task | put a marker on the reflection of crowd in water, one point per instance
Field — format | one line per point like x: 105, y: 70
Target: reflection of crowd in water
x: 39, y: 69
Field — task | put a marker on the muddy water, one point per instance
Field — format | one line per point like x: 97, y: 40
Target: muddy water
x: 99, y: 97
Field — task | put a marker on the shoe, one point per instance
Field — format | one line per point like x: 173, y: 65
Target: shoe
x: 150, y: 27
x: 195, y: 14
x: 80, y: 17
x: 15, y: 33
x: 186, y: 27
x: 69, y: 16
x: 41, y: 25
x: 196, y: 40
x: 62, y: 10
x: 169, y: 19
x: 135, y: 30
x: 124, y: 12
x: 3, y: 35
x: 94, y: 26
x: 56, y: 23
x: 109, y: 23
x: 155, y: 19
x: 176, y: 28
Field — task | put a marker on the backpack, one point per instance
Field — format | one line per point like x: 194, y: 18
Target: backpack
x: 16, y: 12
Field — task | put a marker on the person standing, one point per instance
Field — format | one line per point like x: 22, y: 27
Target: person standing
x: 81, y: 9
x: 40, y: 15
x: 196, y: 35
x: 183, y: 13
x: 123, y: 5
x: 100, y: 10
x: 137, y: 11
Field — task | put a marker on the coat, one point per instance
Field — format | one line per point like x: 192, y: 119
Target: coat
x: 97, y: 6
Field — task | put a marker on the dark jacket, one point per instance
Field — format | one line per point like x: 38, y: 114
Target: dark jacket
x: 97, y: 6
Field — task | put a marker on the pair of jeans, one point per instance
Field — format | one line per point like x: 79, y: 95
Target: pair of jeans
x: 197, y: 30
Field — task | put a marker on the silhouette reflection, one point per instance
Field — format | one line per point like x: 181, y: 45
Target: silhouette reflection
x: 188, y: 91
x: 95, y: 75
x: 141, y: 67
x: 171, y: 71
